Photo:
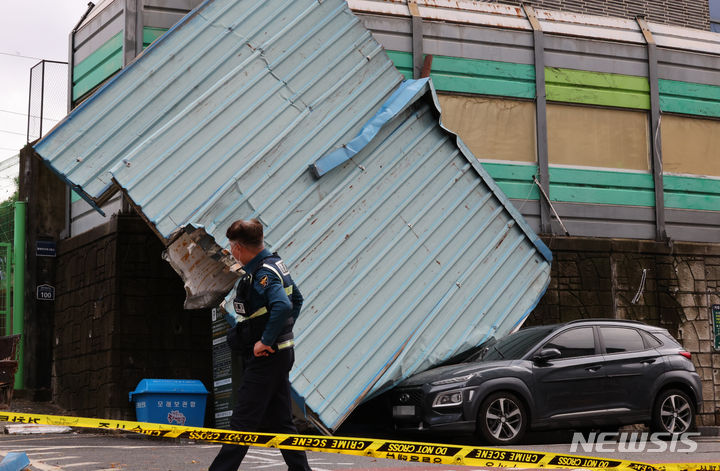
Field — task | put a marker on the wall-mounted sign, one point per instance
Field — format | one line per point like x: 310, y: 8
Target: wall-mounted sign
x: 46, y: 293
x: 715, y: 315
x: 45, y: 248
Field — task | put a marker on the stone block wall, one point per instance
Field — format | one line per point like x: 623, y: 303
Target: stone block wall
x: 119, y: 318
x: 673, y: 286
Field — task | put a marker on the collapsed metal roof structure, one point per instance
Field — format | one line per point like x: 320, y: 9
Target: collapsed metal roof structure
x: 405, y: 249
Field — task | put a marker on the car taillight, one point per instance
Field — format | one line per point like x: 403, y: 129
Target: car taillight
x: 686, y: 354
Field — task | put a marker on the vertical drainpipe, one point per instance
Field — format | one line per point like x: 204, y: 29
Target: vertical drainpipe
x: 18, y: 323
x: 71, y: 56
x: 70, y: 101
x: 541, y: 119
x: 655, y: 142
x: 139, y: 27
x: 417, y: 39
x: 129, y: 31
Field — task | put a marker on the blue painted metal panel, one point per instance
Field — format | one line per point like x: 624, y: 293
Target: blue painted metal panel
x: 417, y: 256
x: 405, y: 249
x: 15, y: 461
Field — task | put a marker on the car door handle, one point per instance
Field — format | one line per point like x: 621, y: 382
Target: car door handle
x: 648, y: 361
x: 593, y: 369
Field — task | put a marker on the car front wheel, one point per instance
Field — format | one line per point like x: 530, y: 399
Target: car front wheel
x: 502, y: 419
x: 673, y: 412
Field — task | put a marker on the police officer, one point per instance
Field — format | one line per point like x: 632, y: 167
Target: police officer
x: 267, y: 302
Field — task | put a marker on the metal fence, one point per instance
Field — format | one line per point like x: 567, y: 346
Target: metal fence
x: 7, y: 214
x: 7, y: 222
x: 47, y: 103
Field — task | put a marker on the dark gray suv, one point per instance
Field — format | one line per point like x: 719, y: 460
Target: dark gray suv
x: 581, y: 374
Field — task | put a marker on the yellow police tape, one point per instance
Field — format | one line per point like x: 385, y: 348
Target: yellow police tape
x: 461, y: 455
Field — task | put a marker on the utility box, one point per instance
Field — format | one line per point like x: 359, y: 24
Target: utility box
x: 170, y: 401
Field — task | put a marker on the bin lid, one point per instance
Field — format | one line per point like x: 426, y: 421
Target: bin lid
x: 183, y: 386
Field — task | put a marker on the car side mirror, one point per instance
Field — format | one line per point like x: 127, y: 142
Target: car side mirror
x: 546, y: 354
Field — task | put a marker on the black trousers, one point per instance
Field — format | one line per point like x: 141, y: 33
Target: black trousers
x: 263, y: 405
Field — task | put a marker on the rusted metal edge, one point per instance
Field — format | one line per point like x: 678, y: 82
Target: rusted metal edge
x: 645, y: 29
x: 412, y: 6
x: 532, y: 17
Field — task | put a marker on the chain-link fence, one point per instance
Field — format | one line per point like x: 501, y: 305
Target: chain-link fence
x: 7, y: 224
x: 48, y: 97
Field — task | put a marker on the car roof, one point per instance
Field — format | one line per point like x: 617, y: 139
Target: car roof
x: 600, y: 321
x: 608, y: 320
x: 616, y: 322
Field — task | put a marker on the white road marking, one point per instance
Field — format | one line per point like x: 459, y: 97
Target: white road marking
x: 87, y: 463
x: 43, y: 467
x: 107, y: 447
x: 29, y: 439
x: 264, y: 460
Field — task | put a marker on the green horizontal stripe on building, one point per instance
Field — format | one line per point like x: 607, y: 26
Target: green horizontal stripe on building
x: 574, y: 185
x: 615, y: 195
x: 689, y: 98
x: 595, y: 88
x: 601, y: 178
x: 691, y: 193
x: 475, y: 76
x: 105, y: 61
x: 456, y: 74
x: 98, y: 66
x: 594, y: 186
x: 151, y: 34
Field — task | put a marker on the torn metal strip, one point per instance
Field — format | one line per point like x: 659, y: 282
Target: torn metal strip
x: 396, y: 104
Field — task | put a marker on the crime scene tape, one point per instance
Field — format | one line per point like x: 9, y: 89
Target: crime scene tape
x: 459, y: 455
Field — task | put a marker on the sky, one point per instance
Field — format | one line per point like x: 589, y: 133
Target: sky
x: 30, y: 30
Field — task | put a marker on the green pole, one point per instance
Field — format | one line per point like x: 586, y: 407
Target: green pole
x: 8, y: 282
x: 18, y: 323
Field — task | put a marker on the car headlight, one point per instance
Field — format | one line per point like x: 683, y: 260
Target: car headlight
x: 448, y: 398
x: 457, y: 379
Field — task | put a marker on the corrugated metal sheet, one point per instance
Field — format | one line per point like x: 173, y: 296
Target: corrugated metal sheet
x: 406, y: 253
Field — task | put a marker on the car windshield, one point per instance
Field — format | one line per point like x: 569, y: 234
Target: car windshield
x: 514, y: 346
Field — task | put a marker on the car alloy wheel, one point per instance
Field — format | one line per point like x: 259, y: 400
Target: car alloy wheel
x: 673, y: 412
x: 502, y: 419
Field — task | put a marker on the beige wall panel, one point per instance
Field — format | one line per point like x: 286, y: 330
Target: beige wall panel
x: 598, y: 137
x: 493, y: 128
x: 690, y: 145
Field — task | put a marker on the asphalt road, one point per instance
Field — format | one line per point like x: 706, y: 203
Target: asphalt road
x: 110, y: 452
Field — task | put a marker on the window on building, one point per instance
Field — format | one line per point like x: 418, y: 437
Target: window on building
x: 715, y: 15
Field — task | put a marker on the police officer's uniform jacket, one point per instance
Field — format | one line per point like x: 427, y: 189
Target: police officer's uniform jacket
x: 266, y: 306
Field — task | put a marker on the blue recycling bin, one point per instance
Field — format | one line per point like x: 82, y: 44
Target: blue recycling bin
x: 170, y: 401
